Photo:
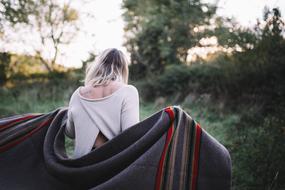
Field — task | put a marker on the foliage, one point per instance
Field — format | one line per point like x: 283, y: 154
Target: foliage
x: 24, y: 67
x: 4, y: 64
x: 160, y: 33
x: 257, y: 151
x: 258, y: 141
x: 52, y: 24
x: 37, y: 93
x: 172, y: 81
x: 230, y: 34
x: 15, y: 11
x: 247, y: 88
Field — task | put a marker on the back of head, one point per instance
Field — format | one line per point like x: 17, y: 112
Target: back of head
x: 110, y: 65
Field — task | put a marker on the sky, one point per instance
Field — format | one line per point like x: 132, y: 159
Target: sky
x: 104, y: 28
x: 108, y: 23
x: 246, y: 11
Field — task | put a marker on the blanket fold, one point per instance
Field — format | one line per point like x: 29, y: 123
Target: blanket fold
x: 168, y: 150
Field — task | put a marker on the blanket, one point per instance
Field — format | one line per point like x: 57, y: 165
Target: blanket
x: 168, y: 150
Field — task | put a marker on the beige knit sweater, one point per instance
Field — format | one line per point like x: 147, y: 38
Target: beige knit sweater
x: 111, y: 115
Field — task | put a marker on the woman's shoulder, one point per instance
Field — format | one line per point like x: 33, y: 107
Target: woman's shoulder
x: 125, y: 90
x: 74, y: 94
x: 121, y: 85
x: 131, y: 89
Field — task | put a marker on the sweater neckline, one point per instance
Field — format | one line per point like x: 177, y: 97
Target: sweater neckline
x: 98, y: 99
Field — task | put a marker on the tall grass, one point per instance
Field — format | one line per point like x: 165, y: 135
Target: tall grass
x: 45, y: 97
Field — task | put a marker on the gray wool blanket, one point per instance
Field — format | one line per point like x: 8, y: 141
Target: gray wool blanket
x: 168, y: 150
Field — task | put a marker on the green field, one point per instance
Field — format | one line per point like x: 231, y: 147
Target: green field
x: 45, y: 98
x: 247, y: 134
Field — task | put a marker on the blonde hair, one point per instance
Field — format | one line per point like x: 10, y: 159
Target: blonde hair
x: 110, y: 65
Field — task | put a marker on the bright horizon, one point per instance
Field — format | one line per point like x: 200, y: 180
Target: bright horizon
x: 106, y: 29
x: 110, y: 24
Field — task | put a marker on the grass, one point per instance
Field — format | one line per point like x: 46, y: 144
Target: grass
x: 28, y: 99
x: 45, y: 98
x: 215, y: 121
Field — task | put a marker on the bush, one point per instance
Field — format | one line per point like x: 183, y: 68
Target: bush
x: 257, y: 150
x: 174, y: 80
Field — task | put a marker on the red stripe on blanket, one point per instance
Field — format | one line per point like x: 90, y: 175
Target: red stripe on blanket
x: 196, y: 157
x: 22, y: 138
x: 15, y: 121
x: 170, y: 112
x: 167, y: 141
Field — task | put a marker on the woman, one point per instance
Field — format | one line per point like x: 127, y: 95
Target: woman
x: 105, y: 106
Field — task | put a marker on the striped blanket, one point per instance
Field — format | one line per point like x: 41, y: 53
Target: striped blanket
x: 168, y: 150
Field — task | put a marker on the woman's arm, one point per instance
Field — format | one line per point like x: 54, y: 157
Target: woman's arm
x: 130, y: 109
x: 69, y: 128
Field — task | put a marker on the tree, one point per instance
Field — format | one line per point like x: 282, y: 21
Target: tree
x: 160, y: 32
x: 51, y: 22
x: 4, y: 64
x: 230, y: 34
x: 257, y: 142
x: 271, y: 39
x: 15, y: 11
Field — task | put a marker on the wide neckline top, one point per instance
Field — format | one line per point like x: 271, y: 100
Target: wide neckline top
x: 98, y: 99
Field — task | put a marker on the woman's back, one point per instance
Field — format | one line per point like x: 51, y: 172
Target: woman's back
x: 106, y: 105
x: 107, y: 109
x: 100, y: 91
